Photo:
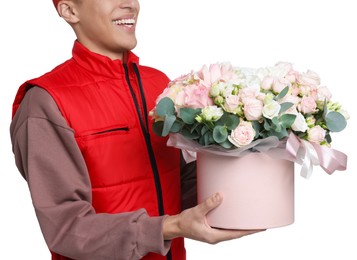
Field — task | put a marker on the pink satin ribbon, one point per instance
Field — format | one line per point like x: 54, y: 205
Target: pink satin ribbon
x: 308, y: 154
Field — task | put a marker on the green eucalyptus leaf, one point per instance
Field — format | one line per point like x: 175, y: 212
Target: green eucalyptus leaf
x: 287, y: 120
x: 165, y: 107
x: 275, y: 124
x: 282, y: 93
x: 190, y: 135
x: 220, y: 134
x: 196, y: 127
x: 157, y: 127
x: 280, y: 135
x: 335, y: 121
x: 226, y: 144
x: 188, y: 115
x: 176, y: 127
x: 257, y: 127
x: 228, y: 120
x: 206, y: 139
x: 204, y: 130
x: 266, y: 124
x: 201, y: 140
x: 168, y: 123
x: 233, y: 122
x: 285, y: 106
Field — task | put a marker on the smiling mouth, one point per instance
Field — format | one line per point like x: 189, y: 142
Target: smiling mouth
x: 126, y: 22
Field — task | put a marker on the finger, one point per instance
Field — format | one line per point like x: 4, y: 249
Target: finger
x: 210, y: 203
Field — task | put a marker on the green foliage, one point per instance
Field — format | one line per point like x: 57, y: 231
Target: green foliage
x: 165, y: 107
x: 228, y: 120
x: 335, y: 121
x: 188, y: 115
x: 220, y: 134
x: 282, y: 93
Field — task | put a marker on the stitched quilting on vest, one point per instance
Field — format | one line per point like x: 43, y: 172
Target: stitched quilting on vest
x: 93, y: 95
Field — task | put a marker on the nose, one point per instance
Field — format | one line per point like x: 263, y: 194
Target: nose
x: 130, y: 4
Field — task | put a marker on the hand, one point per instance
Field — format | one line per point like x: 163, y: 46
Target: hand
x: 192, y: 223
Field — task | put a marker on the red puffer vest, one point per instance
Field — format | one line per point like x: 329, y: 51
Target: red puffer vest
x: 106, y: 102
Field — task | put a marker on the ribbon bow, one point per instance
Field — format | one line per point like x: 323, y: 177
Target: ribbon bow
x: 309, y: 154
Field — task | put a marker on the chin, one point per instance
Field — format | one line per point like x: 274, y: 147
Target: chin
x: 130, y: 46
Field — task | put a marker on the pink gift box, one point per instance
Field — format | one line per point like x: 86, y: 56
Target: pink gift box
x: 258, y: 191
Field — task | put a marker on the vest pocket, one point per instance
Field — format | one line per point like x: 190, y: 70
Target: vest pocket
x: 103, y: 132
x: 93, y: 138
x: 117, y: 129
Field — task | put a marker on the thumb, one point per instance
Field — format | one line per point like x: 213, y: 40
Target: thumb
x: 211, y: 203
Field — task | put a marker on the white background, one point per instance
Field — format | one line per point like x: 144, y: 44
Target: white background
x: 177, y: 36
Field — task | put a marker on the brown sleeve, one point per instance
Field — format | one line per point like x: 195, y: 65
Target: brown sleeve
x: 48, y: 157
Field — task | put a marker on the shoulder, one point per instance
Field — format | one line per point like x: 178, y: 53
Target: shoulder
x: 38, y: 103
x: 59, y: 75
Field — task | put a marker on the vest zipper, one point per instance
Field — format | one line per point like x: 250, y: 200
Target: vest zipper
x: 145, y: 131
x: 143, y: 118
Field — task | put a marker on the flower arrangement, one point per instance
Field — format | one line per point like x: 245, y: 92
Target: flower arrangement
x: 250, y: 126
x: 233, y: 106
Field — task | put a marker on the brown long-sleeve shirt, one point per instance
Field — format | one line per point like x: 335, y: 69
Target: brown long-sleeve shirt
x: 48, y: 157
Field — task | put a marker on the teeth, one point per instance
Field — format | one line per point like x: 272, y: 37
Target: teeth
x: 124, y: 22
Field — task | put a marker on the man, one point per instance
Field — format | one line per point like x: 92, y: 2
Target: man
x: 103, y: 186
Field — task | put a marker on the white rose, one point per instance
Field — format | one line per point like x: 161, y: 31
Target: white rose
x: 271, y: 109
x: 227, y: 90
x: 212, y: 113
x: 299, y: 124
x: 279, y: 70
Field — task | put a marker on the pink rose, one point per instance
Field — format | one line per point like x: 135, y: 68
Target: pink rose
x: 227, y: 71
x: 295, y: 90
x: 307, y: 105
x: 216, y: 72
x: 253, y: 108
x: 309, y: 78
x: 206, y: 75
x: 304, y: 90
x: 292, y: 76
x: 314, y: 93
x: 170, y: 92
x: 197, y: 96
x: 261, y: 96
x: 231, y: 103
x: 247, y: 93
x: 242, y: 135
x: 316, y: 134
x: 279, y: 84
x: 267, y: 83
x: 181, y: 79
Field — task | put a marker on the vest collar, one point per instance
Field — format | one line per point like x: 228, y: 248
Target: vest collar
x: 100, y: 64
